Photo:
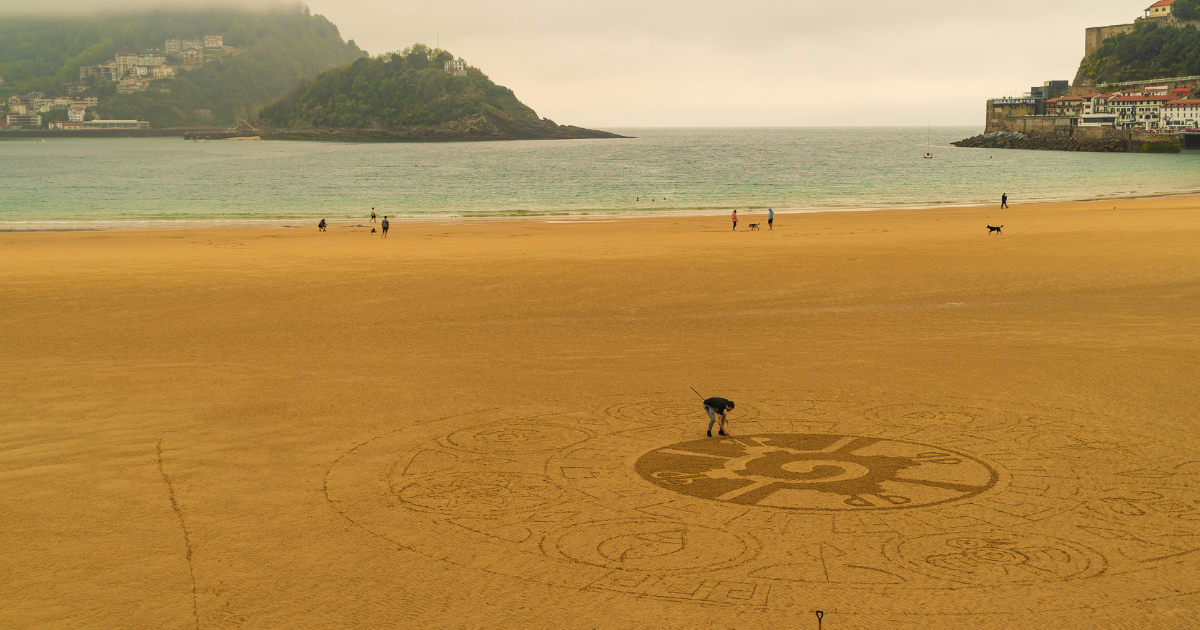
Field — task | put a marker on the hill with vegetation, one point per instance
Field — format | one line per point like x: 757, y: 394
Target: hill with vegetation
x: 1153, y: 50
x: 408, y: 95
x: 268, y: 52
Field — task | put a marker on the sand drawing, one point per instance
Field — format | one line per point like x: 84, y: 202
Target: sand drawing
x: 817, y: 472
x: 985, y: 506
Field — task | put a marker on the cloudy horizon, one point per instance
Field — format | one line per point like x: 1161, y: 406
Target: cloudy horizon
x: 700, y: 63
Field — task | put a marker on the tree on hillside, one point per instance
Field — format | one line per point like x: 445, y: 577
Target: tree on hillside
x: 1151, y: 51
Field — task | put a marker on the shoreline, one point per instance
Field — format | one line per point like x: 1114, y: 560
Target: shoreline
x: 11, y: 227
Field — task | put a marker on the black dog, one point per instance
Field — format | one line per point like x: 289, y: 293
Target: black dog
x: 992, y: 229
x: 753, y: 226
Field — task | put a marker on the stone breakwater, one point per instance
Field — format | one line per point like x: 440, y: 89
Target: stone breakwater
x: 1017, y: 140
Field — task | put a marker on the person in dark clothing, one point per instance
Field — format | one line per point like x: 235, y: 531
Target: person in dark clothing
x: 321, y: 225
x: 384, y: 225
x: 717, y: 407
x: 372, y: 215
x: 1004, y: 200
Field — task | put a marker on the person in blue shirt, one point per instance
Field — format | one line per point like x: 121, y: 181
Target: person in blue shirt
x: 770, y: 218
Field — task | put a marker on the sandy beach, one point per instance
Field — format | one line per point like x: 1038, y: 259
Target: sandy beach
x: 489, y: 424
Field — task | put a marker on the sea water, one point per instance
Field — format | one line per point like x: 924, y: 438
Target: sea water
x: 112, y: 182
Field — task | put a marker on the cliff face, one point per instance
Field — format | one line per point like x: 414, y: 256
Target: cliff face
x: 408, y: 96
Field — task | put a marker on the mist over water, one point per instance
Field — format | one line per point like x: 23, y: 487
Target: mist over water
x: 81, y: 181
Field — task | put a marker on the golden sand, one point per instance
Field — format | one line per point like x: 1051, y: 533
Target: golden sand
x: 489, y: 425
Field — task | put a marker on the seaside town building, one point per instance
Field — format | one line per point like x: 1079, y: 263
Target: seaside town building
x: 214, y: 42
x: 1065, y: 106
x: 24, y: 120
x: 116, y: 124
x: 55, y: 125
x: 76, y: 113
x: 1182, y: 114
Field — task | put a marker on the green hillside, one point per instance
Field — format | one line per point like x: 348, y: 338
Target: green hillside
x: 277, y: 49
x: 1151, y: 51
x: 408, y: 96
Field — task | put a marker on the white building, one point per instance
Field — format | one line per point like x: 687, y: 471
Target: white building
x: 456, y: 67
x: 116, y: 124
x: 76, y: 113
x: 62, y: 102
x: 214, y: 42
x: 162, y: 72
x: 86, y: 101
x: 1182, y: 114
x: 1138, y: 111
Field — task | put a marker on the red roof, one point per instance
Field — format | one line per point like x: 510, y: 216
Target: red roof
x: 1163, y: 3
x: 1188, y: 103
x: 1138, y: 99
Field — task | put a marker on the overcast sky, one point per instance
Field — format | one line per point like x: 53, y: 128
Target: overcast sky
x: 751, y: 63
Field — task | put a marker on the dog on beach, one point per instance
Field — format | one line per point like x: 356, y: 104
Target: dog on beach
x: 753, y: 226
x: 372, y: 230
x: 992, y: 229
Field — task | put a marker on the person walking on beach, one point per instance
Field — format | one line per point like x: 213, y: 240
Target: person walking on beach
x: 384, y: 225
x: 1004, y: 201
x: 321, y: 226
x: 717, y: 407
x: 372, y: 215
x: 770, y: 218
x: 735, y: 219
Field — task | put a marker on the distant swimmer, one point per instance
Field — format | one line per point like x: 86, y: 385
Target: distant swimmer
x: 321, y: 225
x: 372, y: 215
x: 717, y: 407
x: 770, y: 219
x: 1004, y: 200
x: 384, y: 225
x: 735, y: 219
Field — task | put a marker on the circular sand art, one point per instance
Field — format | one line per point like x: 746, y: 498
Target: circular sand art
x: 967, y: 508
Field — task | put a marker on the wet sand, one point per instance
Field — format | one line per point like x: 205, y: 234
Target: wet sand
x: 455, y: 427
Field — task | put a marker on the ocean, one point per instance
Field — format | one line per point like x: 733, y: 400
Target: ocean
x: 67, y: 183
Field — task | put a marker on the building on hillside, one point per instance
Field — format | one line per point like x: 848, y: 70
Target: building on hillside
x: 1160, y: 9
x: 151, y: 58
x: 192, y: 56
x: 1049, y: 89
x: 62, y: 102
x: 107, y: 71
x: 177, y: 46
x: 1182, y: 114
x: 86, y: 101
x: 76, y: 113
x: 139, y: 71
x: 72, y: 126
x: 132, y: 84
x: 162, y: 72
x: 27, y: 121
x: 116, y: 124
x: 125, y: 59
x: 456, y: 67
x: 18, y: 108
x: 1070, y: 106
x: 55, y: 125
x: 214, y: 42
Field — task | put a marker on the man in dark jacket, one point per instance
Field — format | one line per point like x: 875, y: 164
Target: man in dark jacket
x: 717, y: 407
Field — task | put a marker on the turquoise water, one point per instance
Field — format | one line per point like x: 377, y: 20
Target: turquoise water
x: 95, y: 181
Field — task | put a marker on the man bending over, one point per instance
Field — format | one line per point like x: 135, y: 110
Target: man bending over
x: 717, y: 406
